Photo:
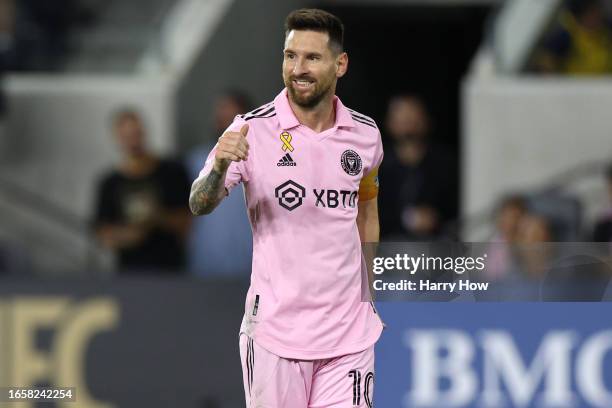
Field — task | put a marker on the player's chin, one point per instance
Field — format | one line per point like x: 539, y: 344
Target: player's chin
x: 303, y: 97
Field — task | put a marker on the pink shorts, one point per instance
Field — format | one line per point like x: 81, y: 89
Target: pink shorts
x: 271, y: 381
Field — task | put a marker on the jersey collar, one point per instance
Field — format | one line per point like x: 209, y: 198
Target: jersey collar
x: 287, y: 118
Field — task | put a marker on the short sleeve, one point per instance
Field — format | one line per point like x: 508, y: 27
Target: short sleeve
x: 237, y: 171
x: 378, y: 153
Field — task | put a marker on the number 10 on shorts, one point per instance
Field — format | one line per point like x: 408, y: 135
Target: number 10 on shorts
x: 367, y: 384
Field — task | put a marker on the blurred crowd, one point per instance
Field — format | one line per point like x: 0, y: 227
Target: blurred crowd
x: 541, y: 232
x: 141, y: 209
x: 550, y: 217
x: 579, y: 42
x: 142, y: 212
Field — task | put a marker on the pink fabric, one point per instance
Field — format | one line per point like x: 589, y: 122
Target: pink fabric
x: 274, y: 382
x: 304, y: 301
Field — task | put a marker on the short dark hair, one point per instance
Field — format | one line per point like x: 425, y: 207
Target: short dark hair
x: 320, y: 21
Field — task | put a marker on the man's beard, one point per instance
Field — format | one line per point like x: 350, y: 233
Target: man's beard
x: 308, y: 101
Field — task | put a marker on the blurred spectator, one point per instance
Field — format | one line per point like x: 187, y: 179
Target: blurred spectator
x: 534, y: 228
x: 142, y: 210
x: 418, y: 177
x: 603, y: 227
x: 511, y: 210
x: 581, y: 44
x: 532, y: 249
x: 508, y: 218
x: 228, y: 225
x: 562, y: 210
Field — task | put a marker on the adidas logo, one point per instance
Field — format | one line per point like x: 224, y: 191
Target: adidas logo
x: 286, y: 160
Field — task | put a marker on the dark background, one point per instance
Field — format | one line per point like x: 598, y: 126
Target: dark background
x: 422, y: 50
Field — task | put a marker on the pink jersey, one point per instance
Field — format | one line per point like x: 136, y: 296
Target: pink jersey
x: 302, y: 190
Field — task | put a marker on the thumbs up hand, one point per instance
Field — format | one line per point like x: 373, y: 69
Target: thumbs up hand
x: 232, y: 146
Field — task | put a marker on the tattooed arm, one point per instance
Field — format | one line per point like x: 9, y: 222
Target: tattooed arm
x: 208, y: 191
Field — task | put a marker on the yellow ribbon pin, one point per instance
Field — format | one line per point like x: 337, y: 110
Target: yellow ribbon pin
x: 286, y: 139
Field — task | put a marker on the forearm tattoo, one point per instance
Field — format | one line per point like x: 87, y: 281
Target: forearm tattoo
x: 206, y: 193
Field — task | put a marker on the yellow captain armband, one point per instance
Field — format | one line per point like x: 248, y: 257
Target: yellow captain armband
x: 368, y: 188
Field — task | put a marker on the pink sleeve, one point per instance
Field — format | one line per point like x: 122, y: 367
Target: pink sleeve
x: 237, y: 171
x: 378, y: 152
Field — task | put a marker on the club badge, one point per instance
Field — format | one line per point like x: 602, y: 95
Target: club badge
x: 350, y: 162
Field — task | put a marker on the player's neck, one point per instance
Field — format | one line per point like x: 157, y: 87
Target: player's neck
x: 319, y: 118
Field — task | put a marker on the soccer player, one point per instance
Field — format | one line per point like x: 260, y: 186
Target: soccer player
x: 309, y: 168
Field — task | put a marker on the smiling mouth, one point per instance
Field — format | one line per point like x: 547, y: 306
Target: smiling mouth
x: 303, y: 84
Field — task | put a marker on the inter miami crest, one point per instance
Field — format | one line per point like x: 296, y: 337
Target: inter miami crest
x: 351, y: 162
